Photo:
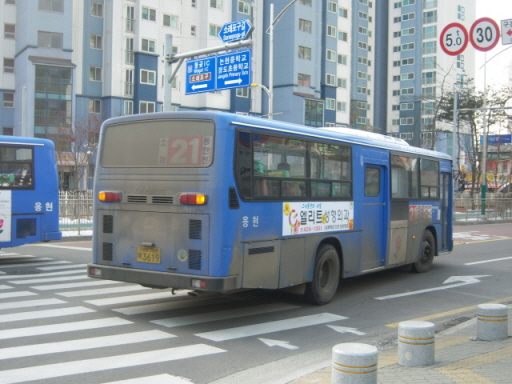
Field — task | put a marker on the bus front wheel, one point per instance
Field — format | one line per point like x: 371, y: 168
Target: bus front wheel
x: 427, y: 254
x: 326, y: 276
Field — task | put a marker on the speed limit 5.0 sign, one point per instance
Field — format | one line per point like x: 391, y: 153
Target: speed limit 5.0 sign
x: 454, y: 39
x: 484, y: 34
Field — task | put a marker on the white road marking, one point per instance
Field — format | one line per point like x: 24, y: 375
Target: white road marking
x: 30, y: 303
x: 44, y: 314
x: 103, y: 291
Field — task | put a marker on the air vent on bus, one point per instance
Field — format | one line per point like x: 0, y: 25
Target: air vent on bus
x: 108, y: 224
x: 107, y: 253
x: 260, y: 250
x: 195, y: 229
x: 161, y: 199
x: 194, y: 259
x: 233, y: 199
x: 136, y: 199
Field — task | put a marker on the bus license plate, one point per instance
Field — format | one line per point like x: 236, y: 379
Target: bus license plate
x: 148, y: 255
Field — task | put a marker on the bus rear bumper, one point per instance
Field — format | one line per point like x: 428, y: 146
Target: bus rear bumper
x: 156, y: 279
x: 48, y: 236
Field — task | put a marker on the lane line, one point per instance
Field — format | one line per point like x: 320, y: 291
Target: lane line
x: 157, y: 379
x: 488, y: 261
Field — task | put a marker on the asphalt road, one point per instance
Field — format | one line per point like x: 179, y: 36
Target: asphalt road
x: 58, y: 326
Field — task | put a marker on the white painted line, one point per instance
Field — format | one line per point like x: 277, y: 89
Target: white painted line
x: 30, y: 303
x: 51, y: 279
x: 157, y: 379
x: 33, y: 275
x: 36, y: 264
x: 222, y: 315
x: 10, y: 295
x: 56, y: 267
x: 270, y: 327
x: 44, y: 314
x: 65, y: 247
x: 6, y: 287
x: 106, y: 363
x: 14, y: 254
x: 90, y: 283
x: 132, y: 299
x: 103, y: 291
x: 62, y: 328
x: 83, y: 344
x: 488, y: 261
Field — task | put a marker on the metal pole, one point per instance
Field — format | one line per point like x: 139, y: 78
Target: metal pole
x: 167, y: 106
x: 484, y: 151
x: 455, y: 116
x: 271, y: 66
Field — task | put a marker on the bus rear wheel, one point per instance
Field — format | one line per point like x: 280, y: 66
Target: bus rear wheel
x: 427, y: 254
x: 326, y: 276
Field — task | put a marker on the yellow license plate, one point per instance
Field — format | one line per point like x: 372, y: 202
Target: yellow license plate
x: 148, y: 255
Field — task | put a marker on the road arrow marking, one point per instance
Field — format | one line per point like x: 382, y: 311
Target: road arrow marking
x: 346, y: 330
x: 199, y: 86
x: 463, y: 280
x: 278, y: 343
x: 233, y: 81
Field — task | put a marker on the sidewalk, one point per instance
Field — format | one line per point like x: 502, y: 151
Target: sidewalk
x: 460, y: 359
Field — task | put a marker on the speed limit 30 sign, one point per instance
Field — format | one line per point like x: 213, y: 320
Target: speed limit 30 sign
x: 484, y: 34
x: 454, y: 39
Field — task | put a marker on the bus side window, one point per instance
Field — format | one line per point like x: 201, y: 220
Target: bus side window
x: 260, y: 185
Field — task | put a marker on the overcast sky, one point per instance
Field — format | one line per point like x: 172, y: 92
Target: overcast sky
x: 497, y: 67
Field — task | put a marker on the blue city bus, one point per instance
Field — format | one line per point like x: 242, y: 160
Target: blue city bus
x: 29, y: 191
x: 216, y: 202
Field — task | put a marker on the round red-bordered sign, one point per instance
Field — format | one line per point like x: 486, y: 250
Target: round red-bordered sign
x: 484, y: 34
x: 454, y: 39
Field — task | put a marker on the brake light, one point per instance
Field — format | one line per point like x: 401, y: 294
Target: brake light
x: 193, y: 199
x: 109, y: 197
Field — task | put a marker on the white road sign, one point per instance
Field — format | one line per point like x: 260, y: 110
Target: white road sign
x: 484, y: 34
x: 454, y: 39
x: 506, y: 31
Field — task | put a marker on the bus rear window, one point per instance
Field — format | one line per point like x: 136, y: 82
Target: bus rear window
x: 158, y: 143
x: 16, y: 165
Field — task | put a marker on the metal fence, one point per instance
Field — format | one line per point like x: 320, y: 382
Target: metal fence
x: 497, y: 207
x: 75, y: 211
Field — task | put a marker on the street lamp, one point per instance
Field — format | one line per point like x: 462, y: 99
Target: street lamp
x: 269, y: 98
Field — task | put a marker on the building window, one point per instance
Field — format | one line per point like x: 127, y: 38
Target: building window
x: 407, y: 31
x: 362, y: 90
x: 304, y: 79
x: 12, y: 2
x: 146, y: 107
x: 428, y: 78
x: 408, y: 16
x: 304, y: 52
x: 242, y: 92
x: 461, y: 12
x: 244, y: 7
x: 407, y: 76
x: 8, y: 65
x: 460, y: 62
x: 147, y: 77
x: 341, y: 106
x: 306, y: 2
x: 193, y: 30
x: 96, y: 9
x: 362, y: 60
x: 332, y: 6
x: 407, y: 91
x: 129, y: 51
x: 313, y: 113
x: 330, y: 104
x: 427, y: 108
x: 51, y: 5
x: 408, y: 61
x: 343, y: 12
x: 406, y: 106
x: 128, y: 107
x: 128, y: 82
x: 148, y: 45
x: 170, y: 21
x: 216, y: 4
x: 396, y: 92
x: 9, y: 31
x: 331, y: 31
x: 343, y: 36
x: 407, y: 121
x: 305, y: 25
x: 214, y: 30
x: 330, y: 79
x: 148, y: 14
x: 49, y: 39
x: 363, y: 15
x: 428, y: 92
x: 95, y: 74
x: 429, y: 4
x: 342, y: 83
x: 407, y: 47
x: 331, y: 55
x: 429, y: 17
x: 430, y: 32
x: 193, y: 3
x: 428, y: 62
x: 8, y: 100
x: 8, y: 131
x: 429, y: 47
x: 96, y: 41
x: 95, y: 106
x: 130, y: 19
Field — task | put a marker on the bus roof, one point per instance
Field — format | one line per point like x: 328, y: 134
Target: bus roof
x: 18, y: 140
x: 347, y: 135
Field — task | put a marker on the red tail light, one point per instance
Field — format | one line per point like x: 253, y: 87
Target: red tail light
x: 193, y: 199
x: 109, y: 197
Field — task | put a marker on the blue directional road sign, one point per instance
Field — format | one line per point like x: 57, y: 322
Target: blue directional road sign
x: 235, y: 30
x: 234, y: 70
x: 200, y: 75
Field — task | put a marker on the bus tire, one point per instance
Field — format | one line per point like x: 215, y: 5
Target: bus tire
x: 326, y: 276
x: 428, y: 247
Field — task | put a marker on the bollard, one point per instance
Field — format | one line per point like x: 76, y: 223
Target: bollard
x: 416, y: 346
x: 354, y: 363
x: 492, y: 322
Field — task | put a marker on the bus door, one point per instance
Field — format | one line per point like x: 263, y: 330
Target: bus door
x: 446, y: 234
x: 374, y: 218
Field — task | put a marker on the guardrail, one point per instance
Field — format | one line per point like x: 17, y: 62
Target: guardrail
x: 75, y: 212
x: 470, y: 208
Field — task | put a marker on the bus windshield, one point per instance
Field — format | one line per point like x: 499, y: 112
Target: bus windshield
x: 159, y: 143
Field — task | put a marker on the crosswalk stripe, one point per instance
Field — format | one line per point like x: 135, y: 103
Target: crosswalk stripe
x: 10, y: 295
x: 51, y: 279
x: 103, y: 291
x: 270, y: 327
x: 83, y: 344
x: 19, y: 375
x: 5, y: 287
x: 45, y: 261
x: 56, y: 267
x: 39, y: 275
x: 30, y: 303
x: 89, y: 283
x: 44, y: 314
x: 222, y: 315
x: 62, y: 327
x: 157, y: 379
x: 133, y: 298
x: 14, y: 254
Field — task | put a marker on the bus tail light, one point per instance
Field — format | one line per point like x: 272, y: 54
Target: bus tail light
x: 95, y: 271
x: 198, y: 284
x: 109, y: 197
x: 193, y: 199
